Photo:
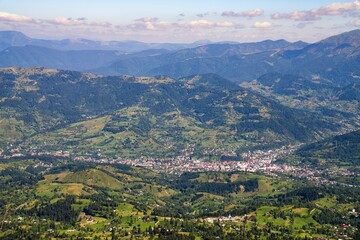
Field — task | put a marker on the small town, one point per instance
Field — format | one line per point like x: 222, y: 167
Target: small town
x: 259, y: 161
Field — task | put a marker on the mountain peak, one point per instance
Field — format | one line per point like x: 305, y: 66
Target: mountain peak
x: 13, y: 38
x: 12, y: 34
x: 352, y: 38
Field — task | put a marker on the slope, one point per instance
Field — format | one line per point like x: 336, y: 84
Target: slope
x: 144, y: 115
x: 338, y: 104
x: 339, y: 151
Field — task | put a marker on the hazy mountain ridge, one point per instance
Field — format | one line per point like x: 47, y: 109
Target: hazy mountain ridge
x: 18, y: 39
x: 147, y: 63
x: 334, y: 60
x: 345, y: 43
x: 324, y: 60
x: 233, y: 61
x: 72, y: 60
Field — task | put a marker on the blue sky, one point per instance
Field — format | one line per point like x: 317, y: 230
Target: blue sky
x: 180, y: 21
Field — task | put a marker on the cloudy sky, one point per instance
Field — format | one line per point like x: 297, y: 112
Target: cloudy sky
x: 180, y: 20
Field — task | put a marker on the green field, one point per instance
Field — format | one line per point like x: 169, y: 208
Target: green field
x: 82, y: 199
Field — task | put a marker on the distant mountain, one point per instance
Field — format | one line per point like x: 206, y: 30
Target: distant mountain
x: 231, y: 60
x: 234, y: 61
x: 30, y: 56
x: 18, y: 39
x: 346, y: 43
x: 11, y: 38
x: 225, y: 49
x: 334, y: 60
x: 52, y: 109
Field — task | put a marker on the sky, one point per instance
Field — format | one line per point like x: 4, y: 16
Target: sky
x: 180, y: 21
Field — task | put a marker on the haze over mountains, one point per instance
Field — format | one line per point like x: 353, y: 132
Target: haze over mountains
x: 18, y: 39
x: 335, y: 59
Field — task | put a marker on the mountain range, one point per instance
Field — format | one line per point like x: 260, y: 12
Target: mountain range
x: 18, y: 39
x: 334, y: 60
x: 123, y: 58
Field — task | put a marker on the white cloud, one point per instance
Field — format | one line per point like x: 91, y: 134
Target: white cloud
x: 10, y: 17
x: 206, y: 24
x: 75, y: 22
x: 334, y: 9
x: 339, y: 8
x: 297, y: 16
x: 150, y: 23
x: 145, y: 24
x: 251, y: 13
x: 63, y: 21
x: 67, y: 21
x: 201, y: 23
x: 262, y: 24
